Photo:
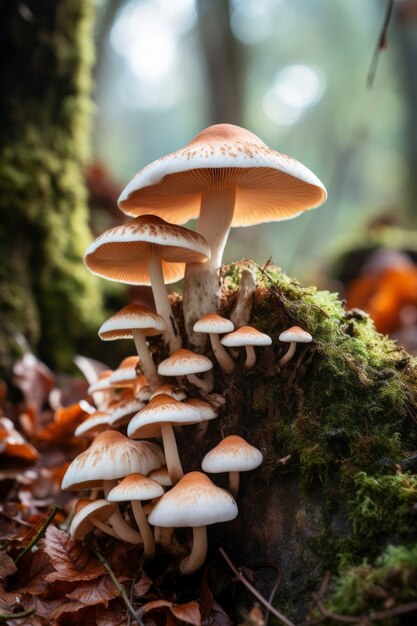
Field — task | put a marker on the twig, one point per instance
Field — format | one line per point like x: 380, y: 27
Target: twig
x: 6, y: 617
x: 371, y: 617
x: 252, y: 589
x: 271, y: 597
x: 39, y: 534
x: 118, y: 586
x: 380, y: 44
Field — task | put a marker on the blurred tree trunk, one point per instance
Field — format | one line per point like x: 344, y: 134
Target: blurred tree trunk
x: 223, y: 55
x: 45, y: 292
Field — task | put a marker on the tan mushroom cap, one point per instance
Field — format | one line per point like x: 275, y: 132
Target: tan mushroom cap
x: 85, y: 509
x: 246, y: 336
x: 103, y: 382
x: 213, y: 323
x: 122, y: 413
x: 135, y: 487
x: 194, y: 501
x: 111, y: 456
x: 206, y: 410
x: 184, y: 362
x: 270, y: 186
x: 170, y: 390
x: 132, y: 317
x: 232, y: 454
x: 99, y: 420
x: 297, y: 334
x: 126, y: 373
x: 161, y: 409
x: 121, y: 253
x: 161, y: 476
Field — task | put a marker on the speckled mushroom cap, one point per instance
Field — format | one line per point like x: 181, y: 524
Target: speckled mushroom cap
x: 206, y: 410
x: 170, y: 390
x: 246, y: 336
x: 213, y: 323
x: 127, y: 373
x: 232, y: 454
x: 193, y: 501
x: 270, y: 186
x: 99, y: 420
x: 132, y: 317
x: 124, y: 410
x: 297, y: 334
x: 120, y: 253
x: 184, y: 362
x: 103, y: 382
x: 161, y: 409
x: 85, y: 509
x: 111, y: 456
x: 161, y: 476
x: 135, y: 487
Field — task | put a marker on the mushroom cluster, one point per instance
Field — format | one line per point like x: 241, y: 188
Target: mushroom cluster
x: 233, y: 179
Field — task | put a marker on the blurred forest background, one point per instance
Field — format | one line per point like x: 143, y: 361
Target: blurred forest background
x: 295, y: 73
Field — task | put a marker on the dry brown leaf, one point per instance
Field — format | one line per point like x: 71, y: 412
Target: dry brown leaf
x: 13, y: 444
x: 143, y: 585
x: 53, y: 609
x: 217, y: 617
x: 111, y: 616
x: 7, y: 600
x: 70, y: 558
x: 61, y: 430
x: 33, y: 569
x: 7, y: 566
x: 34, y: 379
x: 189, y: 612
x: 98, y: 591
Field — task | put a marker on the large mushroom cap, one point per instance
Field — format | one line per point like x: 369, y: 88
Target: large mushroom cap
x: 121, y: 253
x: 232, y: 454
x: 194, y: 501
x: 246, y: 336
x: 129, y: 318
x: 111, y: 456
x: 270, y: 186
x: 161, y: 409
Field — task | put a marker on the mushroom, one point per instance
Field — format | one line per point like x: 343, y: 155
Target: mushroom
x: 233, y: 454
x: 207, y: 413
x: 146, y: 251
x: 112, y: 456
x: 127, y: 373
x: 124, y: 411
x: 94, y: 423
x: 156, y: 420
x: 228, y: 177
x: 101, y: 390
x: 247, y: 337
x: 170, y: 390
x: 186, y: 363
x: 216, y: 325
x: 137, y: 322
x: 89, y: 514
x: 194, y: 502
x: 293, y: 335
x: 134, y: 488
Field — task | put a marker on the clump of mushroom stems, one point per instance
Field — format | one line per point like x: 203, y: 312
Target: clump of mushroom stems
x: 120, y: 526
x: 146, y: 361
x: 172, y: 336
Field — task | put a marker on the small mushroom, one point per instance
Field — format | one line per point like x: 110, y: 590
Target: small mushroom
x: 170, y: 390
x: 89, y: 514
x: 233, y: 454
x: 247, y: 337
x: 194, y: 502
x: 186, y: 363
x: 216, y: 325
x: 293, y: 335
x: 95, y: 422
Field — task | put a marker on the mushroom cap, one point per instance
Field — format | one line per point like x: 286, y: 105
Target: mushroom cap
x: 132, y: 317
x: 135, y: 487
x: 161, y: 476
x: 85, y: 509
x: 213, y: 323
x: 183, y: 362
x: 246, y: 336
x: 193, y: 501
x: 297, y: 334
x: 121, y: 253
x: 161, y: 409
x: 206, y: 410
x: 170, y: 390
x: 99, y: 420
x: 270, y: 186
x: 127, y: 372
x: 124, y: 411
x: 232, y: 454
x: 111, y: 456
x: 103, y: 382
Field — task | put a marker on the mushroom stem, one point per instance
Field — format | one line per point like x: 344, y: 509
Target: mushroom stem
x: 250, y: 357
x: 103, y: 527
x: 123, y: 530
x: 166, y: 538
x: 146, y: 360
x: 223, y: 358
x: 288, y: 355
x: 172, y: 336
x: 205, y: 383
x: 195, y: 559
x: 201, y: 284
x: 172, y: 457
x: 145, y: 531
x: 234, y: 479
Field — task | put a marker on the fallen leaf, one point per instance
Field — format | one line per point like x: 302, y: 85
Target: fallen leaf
x: 7, y: 566
x: 34, y: 379
x: 110, y: 617
x: 53, y: 609
x: 70, y: 558
x: 189, y: 612
x: 61, y: 430
x: 90, y: 368
x: 14, y: 444
x: 98, y: 591
x: 33, y: 568
x: 217, y: 617
x: 143, y: 585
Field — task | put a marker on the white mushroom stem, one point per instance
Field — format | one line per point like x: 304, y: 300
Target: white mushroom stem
x: 103, y: 527
x: 250, y: 357
x: 172, y: 457
x: 123, y: 530
x: 234, y: 480
x: 198, y: 553
x: 205, y: 383
x: 146, y: 361
x: 223, y: 358
x: 201, y: 284
x: 145, y: 530
x: 172, y: 336
x: 288, y: 355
